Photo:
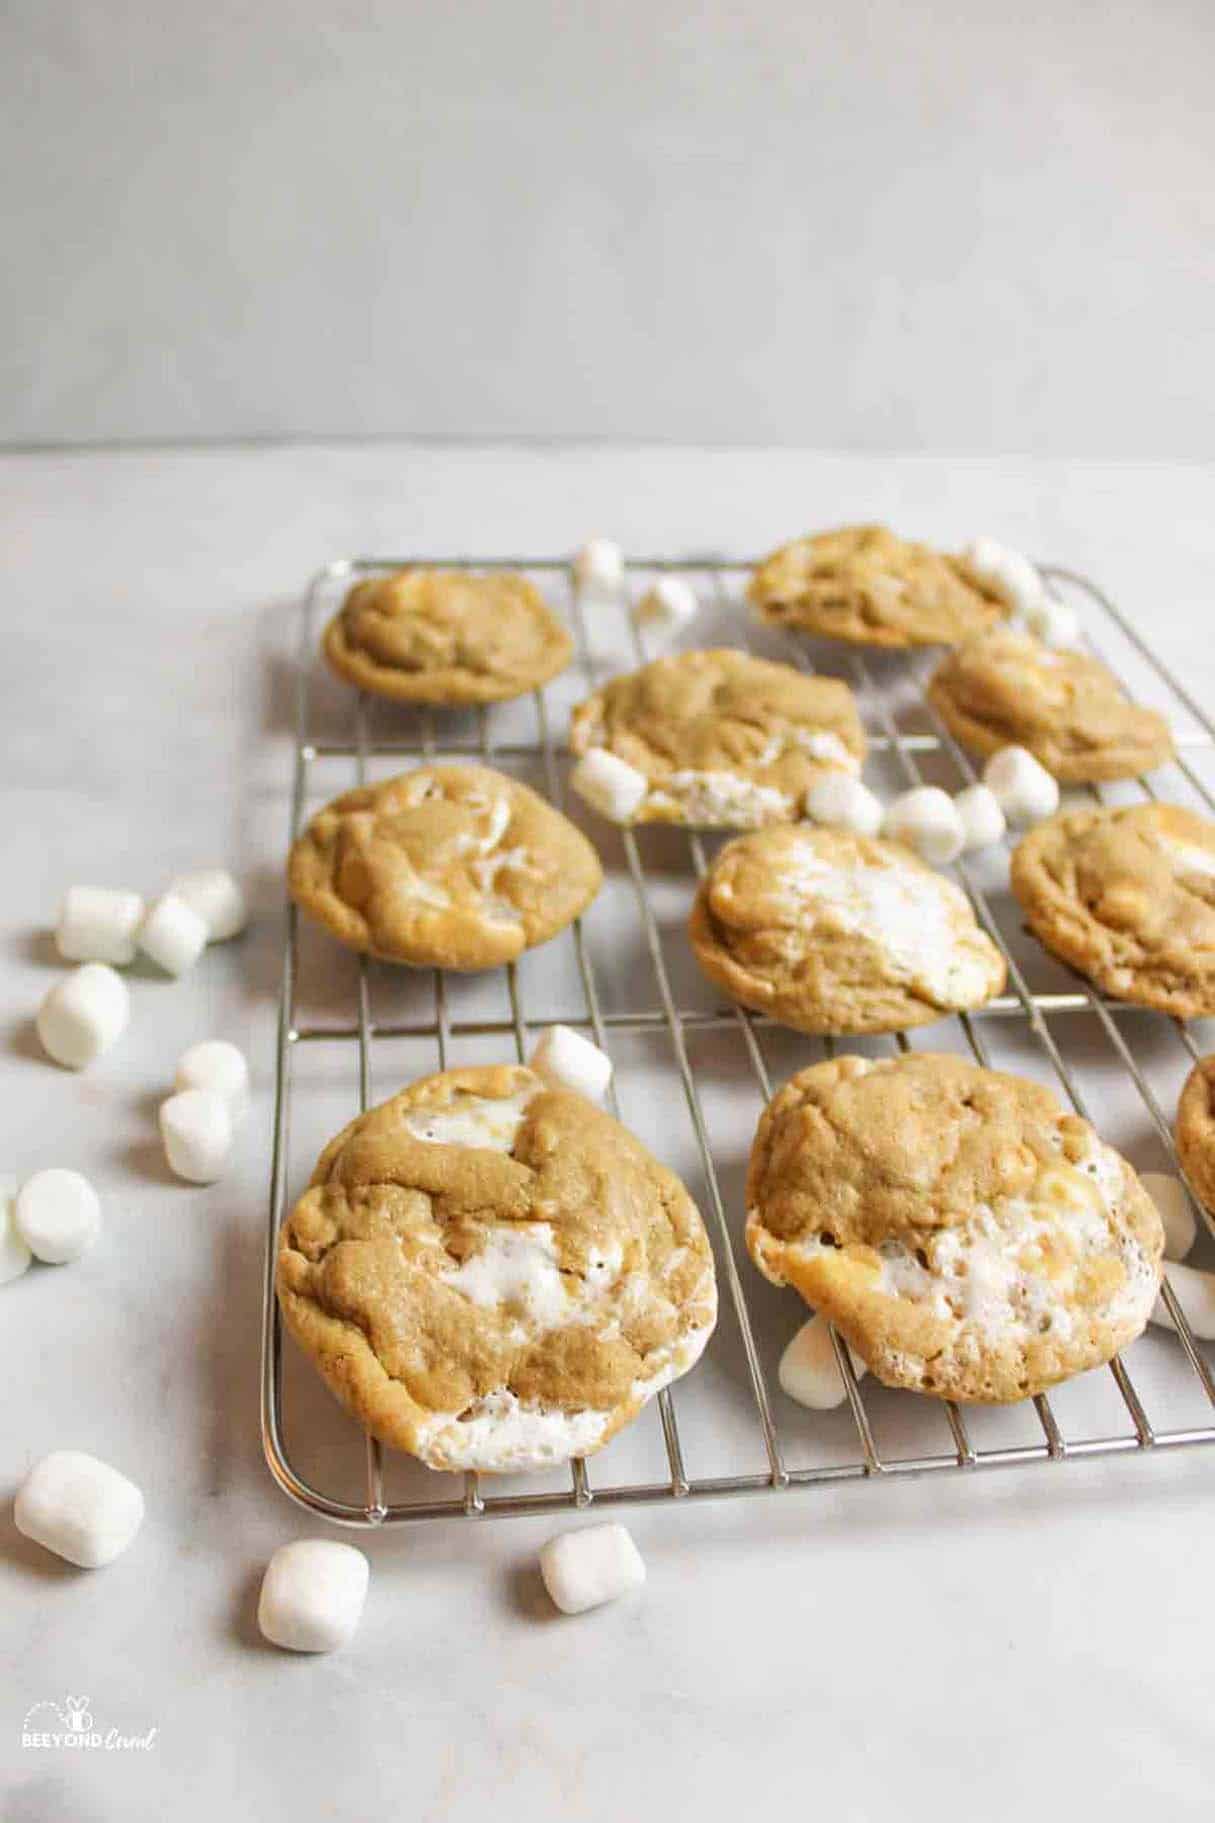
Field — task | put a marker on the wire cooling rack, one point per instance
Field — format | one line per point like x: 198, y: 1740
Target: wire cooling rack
x: 694, y: 1075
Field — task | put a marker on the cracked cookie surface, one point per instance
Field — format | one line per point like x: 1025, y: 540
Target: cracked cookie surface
x: 1196, y: 1131
x: 494, y: 1274
x: 969, y: 1238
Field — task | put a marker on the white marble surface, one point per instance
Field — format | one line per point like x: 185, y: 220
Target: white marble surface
x: 1017, y: 1644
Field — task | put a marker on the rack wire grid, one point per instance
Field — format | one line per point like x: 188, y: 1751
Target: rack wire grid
x: 695, y: 1075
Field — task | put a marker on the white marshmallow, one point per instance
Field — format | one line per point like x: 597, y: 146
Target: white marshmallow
x: 809, y: 1371
x: 15, y: 1255
x: 573, y: 1061
x: 1175, y: 1209
x: 313, y: 1594
x: 609, y: 785
x: 79, y: 1508
x: 926, y: 820
x: 842, y: 802
x: 981, y: 817
x: 1195, y: 1292
x: 59, y: 1215
x: 1006, y: 573
x: 599, y: 568
x: 196, y: 1129
x: 593, y: 1565
x: 217, y: 898
x: 97, y: 924
x: 83, y: 1015
x: 216, y: 1065
x: 173, y: 935
x: 1023, y: 788
x: 667, y: 607
x: 1053, y: 622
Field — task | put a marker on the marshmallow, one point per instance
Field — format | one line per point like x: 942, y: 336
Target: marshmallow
x: 79, y: 1508
x: 594, y: 1565
x: 573, y: 1061
x: 599, y: 568
x: 196, y: 1128
x: 58, y: 1214
x: 15, y: 1255
x: 982, y: 819
x: 1023, y: 788
x: 1195, y: 1292
x: 216, y: 1065
x: 1051, y: 621
x: 217, y: 898
x: 312, y: 1595
x: 667, y: 607
x: 1175, y: 1210
x: 842, y: 802
x: 609, y: 785
x: 1008, y: 574
x: 173, y: 935
x: 83, y: 1015
x: 809, y: 1371
x: 926, y: 820
x: 97, y: 924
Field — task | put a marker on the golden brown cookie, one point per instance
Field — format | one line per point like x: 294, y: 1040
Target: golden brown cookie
x: 446, y: 866
x: 1196, y: 1131
x: 446, y: 636
x: 863, y: 584
x: 725, y: 741
x: 968, y: 1237
x: 831, y: 932
x: 492, y: 1273
x: 1127, y: 897
x: 1006, y: 689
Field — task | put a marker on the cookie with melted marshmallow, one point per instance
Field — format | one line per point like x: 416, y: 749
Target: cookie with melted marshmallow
x: 1196, y: 1131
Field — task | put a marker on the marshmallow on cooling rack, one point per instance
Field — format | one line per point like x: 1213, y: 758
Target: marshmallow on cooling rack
x: 98, y: 924
x: 809, y: 1371
x: 1195, y: 1292
x: 217, y: 898
x: 15, y: 1255
x: 609, y: 785
x: 981, y: 817
x: 196, y: 1129
x: 312, y: 1595
x: 926, y: 820
x: 58, y: 1215
x: 599, y: 568
x: 1006, y: 573
x: 666, y: 607
x: 173, y: 934
x: 1023, y: 788
x: 593, y: 1565
x: 1053, y: 622
x: 573, y: 1061
x: 1175, y: 1210
x: 216, y: 1065
x: 842, y: 802
x: 83, y: 1015
x: 79, y: 1508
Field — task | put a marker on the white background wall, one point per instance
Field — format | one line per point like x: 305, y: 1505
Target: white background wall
x: 872, y: 223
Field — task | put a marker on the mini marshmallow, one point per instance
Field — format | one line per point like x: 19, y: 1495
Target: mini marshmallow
x: 97, y: 924
x: 79, y: 1508
x: 15, y: 1255
x: 982, y: 819
x: 216, y: 1065
x: 1006, y: 573
x: 1053, y: 622
x: 593, y: 1565
x: 926, y: 820
x: 1023, y: 788
x: 173, y: 934
x: 83, y: 1015
x: 217, y: 898
x: 609, y: 785
x: 842, y: 802
x: 1175, y: 1210
x: 599, y: 568
x: 313, y: 1594
x: 667, y: 607
x: 573, y: 1061
x: 59, y: 1215
x: 809, y: 1371
x: 1195, y: 1292
x: 196, y: 1129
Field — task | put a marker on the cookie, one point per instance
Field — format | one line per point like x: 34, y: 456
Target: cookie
x: 446, y: 866
x: 492, y: 1273
x: 832, y: 932
x: 1196, y: 1131
x: 446, y: 636
x: 865, y: 585
x: 1007, y: 689
x: 968, y: 1237
x: 1127, y: 897
x: 725, y: 741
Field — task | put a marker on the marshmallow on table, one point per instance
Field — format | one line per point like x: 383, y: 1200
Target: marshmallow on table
x: 58, y: 1214
x: 586, y: 1568
x: 79, y: 1508
x: 599, y: 568
x: 83, y: 1015
x: 1022, y: 786
x: 666, y: 607
x: 1051, y: 621
x: 842, y: 802
x: 573, y: 1061
x: 981, y: 817
x: 609, y: 785
x: 809, y: 1371
x: 1175, y: 1209
x: 312, y: 1595
x: 926, y: 820
x: 216, y: 1065
x: 1195, y: 1292
x: 217, y: 898
x: 97, y: 924
x: 196, y: 1129
x: 15, y: 1255
x: 173, y: 934
x: 1006, y: 573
